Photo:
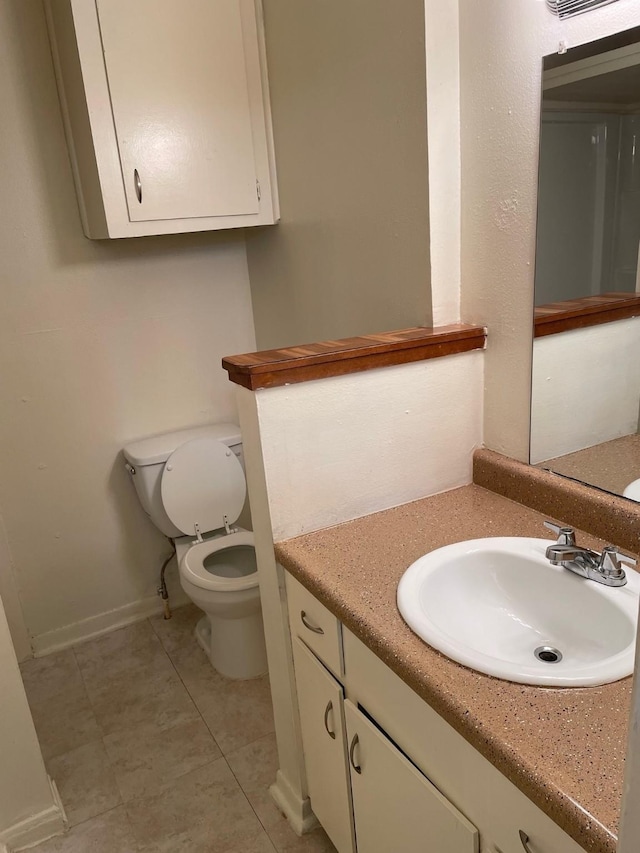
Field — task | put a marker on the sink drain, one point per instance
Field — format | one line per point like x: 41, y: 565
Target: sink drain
x: 547, y: 654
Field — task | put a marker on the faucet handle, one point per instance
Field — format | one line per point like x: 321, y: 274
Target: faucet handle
x: 566, y: 535
x: 612, y: 560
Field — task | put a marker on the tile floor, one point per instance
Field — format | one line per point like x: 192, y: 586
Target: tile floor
x: 154, y: 752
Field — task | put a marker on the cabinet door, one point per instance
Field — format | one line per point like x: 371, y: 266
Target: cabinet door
x: 395, y: 806
x: 179, y: 96
x: 320, y: 701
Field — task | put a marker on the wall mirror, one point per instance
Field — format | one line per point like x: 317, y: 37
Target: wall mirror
x: 586, y: 349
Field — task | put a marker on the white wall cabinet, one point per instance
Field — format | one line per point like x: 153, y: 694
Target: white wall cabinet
x: 412, y: 784
x: 166, y: 111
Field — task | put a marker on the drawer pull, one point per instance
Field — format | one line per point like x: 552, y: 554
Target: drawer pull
x: 525, y: 841
x: 327, y: 711
x: 305, y: 621
x: 137, y: 183
x: 354, y: 742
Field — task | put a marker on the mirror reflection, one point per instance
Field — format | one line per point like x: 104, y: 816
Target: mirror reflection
x: 586, y: 353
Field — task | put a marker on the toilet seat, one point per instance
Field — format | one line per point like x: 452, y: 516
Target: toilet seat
x: 203, y: 486
x: 192, y: 564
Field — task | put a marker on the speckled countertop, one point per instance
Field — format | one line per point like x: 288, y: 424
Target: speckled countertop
x: 564, y: 748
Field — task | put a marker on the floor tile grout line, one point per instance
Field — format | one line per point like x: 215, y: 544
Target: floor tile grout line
x: 123, y: 804
x: 193, y: 700
x: 157, y: 793
x: 249, y: 742
x: 104, y: 735
x: 209, y: 729
x: 246, y: 796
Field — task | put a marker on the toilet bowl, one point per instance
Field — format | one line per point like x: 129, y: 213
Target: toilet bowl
x: 220, y: 576
x: 191, y: 485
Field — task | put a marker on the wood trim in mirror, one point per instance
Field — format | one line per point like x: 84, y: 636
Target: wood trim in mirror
x: 588, y: 311
x: 270, y: 368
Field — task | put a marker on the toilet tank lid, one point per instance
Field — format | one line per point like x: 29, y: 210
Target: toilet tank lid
x: 158, y: 448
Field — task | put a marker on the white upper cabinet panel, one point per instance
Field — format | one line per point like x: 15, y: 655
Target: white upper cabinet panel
x: 167, y: 114
x: 180, y: 102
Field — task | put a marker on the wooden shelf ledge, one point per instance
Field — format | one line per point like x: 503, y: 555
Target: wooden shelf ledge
x: 270, y: 368
x: 580, y: 313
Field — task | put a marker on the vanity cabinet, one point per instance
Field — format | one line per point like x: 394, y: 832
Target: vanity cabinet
x: 324, y: 738
x: 384, y: 770
x: 366, y: 794
x: 166, y: 112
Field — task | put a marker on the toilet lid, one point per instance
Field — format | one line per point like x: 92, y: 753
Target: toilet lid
x: 202, y: 482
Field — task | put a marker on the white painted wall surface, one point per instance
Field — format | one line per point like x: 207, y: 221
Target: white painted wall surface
x: 585, y: 388
x: 339, y: 448
x: 100, y: 343
x: 443, y: 126
x: 323, y: 452
x: 502, y: 43
x: 10, y: 598
x: 629, y: 837
x: 26, y: 796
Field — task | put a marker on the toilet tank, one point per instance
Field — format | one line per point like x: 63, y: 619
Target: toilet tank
x: 146, y: 460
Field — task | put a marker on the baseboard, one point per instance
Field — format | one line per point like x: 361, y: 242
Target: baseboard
x: 37, y: 828
x: 103, y: 623
x: 296, y: 810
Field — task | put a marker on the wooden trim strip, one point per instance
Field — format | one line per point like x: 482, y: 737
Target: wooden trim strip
x: 270, y: 368
x: 580, y: 313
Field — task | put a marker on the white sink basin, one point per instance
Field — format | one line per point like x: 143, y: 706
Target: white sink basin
x: 491, y: 603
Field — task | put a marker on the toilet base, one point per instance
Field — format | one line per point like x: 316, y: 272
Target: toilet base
x: 203, y: 635
x: 235, y: 647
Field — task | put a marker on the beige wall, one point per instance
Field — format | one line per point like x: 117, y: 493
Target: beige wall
x: 100, y: 343
x: 502, y: 44
x: 351, y: 253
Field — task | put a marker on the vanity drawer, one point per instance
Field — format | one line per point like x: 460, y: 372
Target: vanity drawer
x: 315, y: 625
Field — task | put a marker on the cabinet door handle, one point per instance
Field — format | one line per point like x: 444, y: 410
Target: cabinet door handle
x: 137, y: 183
x: 525, y: 841
x: 305, y: 621
x: 327, y: 711
x: 354, y: 742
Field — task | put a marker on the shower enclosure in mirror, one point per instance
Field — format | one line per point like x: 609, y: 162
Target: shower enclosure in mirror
x: 586, y: 352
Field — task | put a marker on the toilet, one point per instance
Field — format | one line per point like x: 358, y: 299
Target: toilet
x: 191, y: 484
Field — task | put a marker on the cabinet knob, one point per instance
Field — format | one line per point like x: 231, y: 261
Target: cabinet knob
x: 137, y: 183
x: 354, y: 742
x: 327, y: 711
x: 305, y: 621
x: 524, y: 838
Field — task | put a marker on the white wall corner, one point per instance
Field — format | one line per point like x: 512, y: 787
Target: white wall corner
x: 296, y: 809
x: 102, y: 623
x: 36, y: 828
x: 289, y: 789
x: 629, y: 838
x: 11, y: 599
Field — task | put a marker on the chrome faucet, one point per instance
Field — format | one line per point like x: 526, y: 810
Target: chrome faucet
x: 605, y: 568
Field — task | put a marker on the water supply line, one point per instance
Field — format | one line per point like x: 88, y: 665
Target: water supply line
x: 163, y: 592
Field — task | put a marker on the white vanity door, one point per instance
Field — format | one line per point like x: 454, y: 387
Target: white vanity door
x: 320, y: 701
x: 179, y: 95
x: 395, y: 806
